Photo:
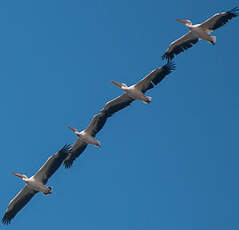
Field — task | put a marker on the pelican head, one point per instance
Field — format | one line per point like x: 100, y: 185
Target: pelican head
x: 186, y: 22
x: 20, y: 175
x: 119, y: 84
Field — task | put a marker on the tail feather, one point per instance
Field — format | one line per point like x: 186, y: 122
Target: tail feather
x: 48, y: 191
x: 147, y: 100
x: 213, y: 40
x: 97, y: 144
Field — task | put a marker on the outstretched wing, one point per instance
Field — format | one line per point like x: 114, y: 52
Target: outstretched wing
x: 17, y: 203
x: 155, y: 77
x: 116, y: 104
x: 180, y: 45
x: 219, y: 19
x: 51, y: 165
x: 96, y: 124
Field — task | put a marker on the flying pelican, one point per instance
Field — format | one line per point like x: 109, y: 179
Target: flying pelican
x: 35, y: 184
x: 136, y: 91
x: 85, y: 137
x: 199, y: 31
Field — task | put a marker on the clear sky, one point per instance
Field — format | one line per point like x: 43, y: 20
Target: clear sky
x: 172, y: 164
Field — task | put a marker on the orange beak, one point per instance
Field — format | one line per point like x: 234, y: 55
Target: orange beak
x: 117, y: 83
x: 18, y: 175
x: 74, y: 130
x: 182, y: 21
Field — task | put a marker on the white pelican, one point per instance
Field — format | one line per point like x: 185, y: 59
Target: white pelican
x: 34, y: 184
x: 199, y: 31
x: 86, y: 136
x: 136, y: 91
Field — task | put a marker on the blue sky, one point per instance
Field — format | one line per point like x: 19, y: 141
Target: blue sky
x: 172, y: 164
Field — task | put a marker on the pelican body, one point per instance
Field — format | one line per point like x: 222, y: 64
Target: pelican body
x: 88, y: 139
x: 136, y: 91
x: 133, y: 92
x: 199, y: 32
x: 34, y: 183
x: 85, y: 137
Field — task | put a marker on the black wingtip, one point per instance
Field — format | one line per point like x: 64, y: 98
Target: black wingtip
x: 68, y: 162
x: 170, y: 66
x: 63, y: 153
x: 168, y: 56
x: 234, y: 11
x: 66, y: 148
x: 6, y: 220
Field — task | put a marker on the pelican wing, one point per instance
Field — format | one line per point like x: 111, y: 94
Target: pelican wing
x: 51, y: 165
x: 219, y: 19
x: 117, y: 104
x: 17, y: 203
x: 77, y: 148
x: 155, y: 77
x: 180, y: 45
x: 96, y: 124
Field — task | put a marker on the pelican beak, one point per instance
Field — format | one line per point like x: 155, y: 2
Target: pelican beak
x: 74, y: 130
x: 18, y: 175
x: 117, y: 83
x: 182, y: 21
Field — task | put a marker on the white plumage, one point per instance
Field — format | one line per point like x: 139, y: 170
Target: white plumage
x: 199, y: 32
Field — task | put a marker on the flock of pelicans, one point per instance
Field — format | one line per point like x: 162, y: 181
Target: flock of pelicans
x: 68, y: 154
